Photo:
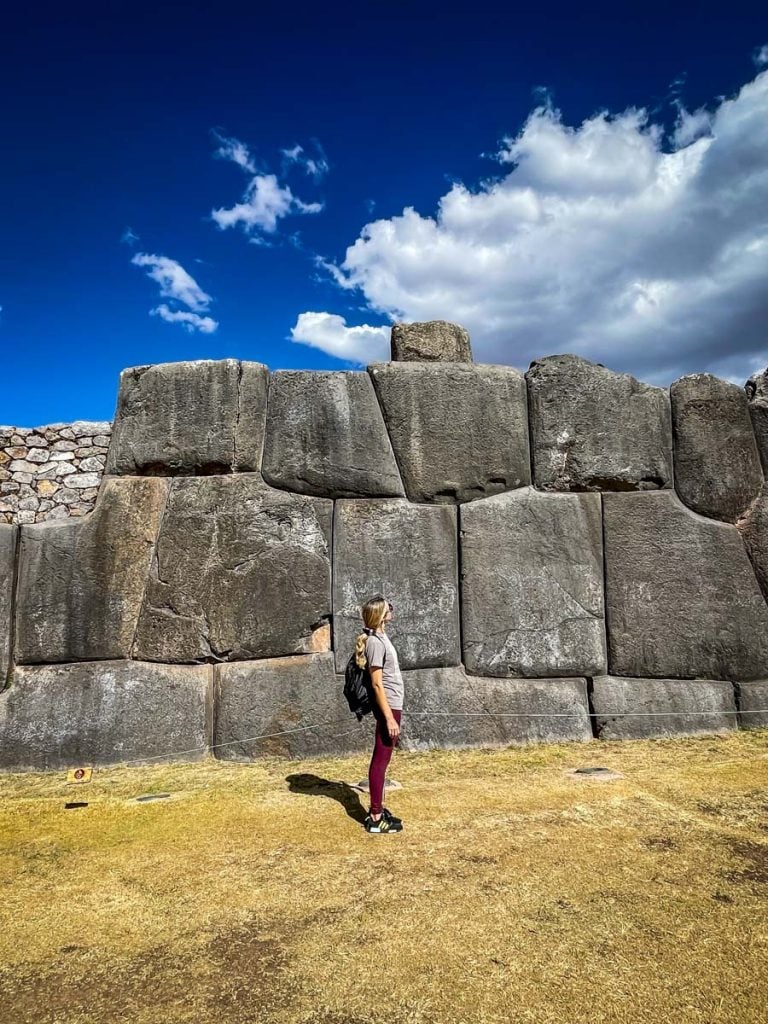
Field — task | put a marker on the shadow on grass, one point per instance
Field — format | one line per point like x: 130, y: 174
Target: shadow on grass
x: 313, y: 785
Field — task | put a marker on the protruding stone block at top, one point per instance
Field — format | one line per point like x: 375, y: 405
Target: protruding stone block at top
x: 756, y: 389
x: 717, y: 464
x: 596, y: 430
x: 193, y: 418
x: 433, y: 341
x: 459, y: 432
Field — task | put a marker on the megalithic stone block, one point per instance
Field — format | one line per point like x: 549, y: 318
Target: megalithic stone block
x: 717, y: 464
x: 9, y: 536
x: 756, y: 390
x: 596, y: 430
x: 408, y: 553
x: 445, y: 707
x: 433, y: 341
x: 752, y: 702
x: 198, y: 417
x: 532, y: 585
x: 630, y: 709
x: 459, y: 432
x: 241, y: 571
x: 81, y: 583
x: 753, y: 527
x: 682, y: 601
x: 326, y: 436
x: 104, y: 712
x: 285, y: 707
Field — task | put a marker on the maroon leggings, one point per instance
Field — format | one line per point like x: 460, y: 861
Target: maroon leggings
x: 382, y: 752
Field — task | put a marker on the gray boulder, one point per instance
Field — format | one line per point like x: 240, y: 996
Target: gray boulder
x: 756, y: 390
x: 682, y: 601
x: 445, y: 707
x: 459, y: 432
x: 81, y: 582
x: 190, y: 418
x: 408, y: 553
x: 326, y: 436
x: 630, y: 709
x: 596, y: 430
x: 752, y: 701
x: 532, y: 585
x: 8, y: 541
x: 434, y: 341
x: 285, y: 696
x: 103, y: 712
x: 241, y: 571
x: 717, y: 464
x: 753, y: 527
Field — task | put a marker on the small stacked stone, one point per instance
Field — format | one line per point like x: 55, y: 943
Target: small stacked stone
x: 51, y: 472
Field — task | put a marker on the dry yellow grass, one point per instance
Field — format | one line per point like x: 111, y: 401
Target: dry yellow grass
x: 516, y: 892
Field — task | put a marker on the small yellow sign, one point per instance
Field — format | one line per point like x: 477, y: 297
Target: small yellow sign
x: 79, y: 774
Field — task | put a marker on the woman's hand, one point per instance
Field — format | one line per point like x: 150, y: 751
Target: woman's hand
x: 394, y: 730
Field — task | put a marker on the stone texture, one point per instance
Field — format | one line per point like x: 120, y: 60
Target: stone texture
x: 81, y: 584
x: 408, y: 553
x: 459, y: 432
x: 661, y: 707
x: 326, y: 436
x: 434, y: 341
x: 532, y: 585
x: 189, y: 418
x: 753, y: 527
x: 594, y: 430
x: 445, y: 707
x: 284, y: 695
x: 104, y: 712
x: 756, y: 390
x: 752, y: 702
x: 241, y: 571
x: 717, y: 464
x: 682, y: 600
x: 9, y: 536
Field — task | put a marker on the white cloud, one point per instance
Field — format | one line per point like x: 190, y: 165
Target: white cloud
x: 760, y: 56
x: 316, y: 167
x: 129, y: 237
x: 191, y: 321
x: 329, y: 332
x: 644, y: 252
x: 236, y: 151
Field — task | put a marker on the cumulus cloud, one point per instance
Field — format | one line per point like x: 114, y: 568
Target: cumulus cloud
x: 191, y: 321
x: 642, y: 250
x: 178, y: 285
x: 329, y: 332
x: 760, y: 56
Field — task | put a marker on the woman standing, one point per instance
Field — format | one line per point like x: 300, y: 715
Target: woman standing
x: 387, y: 692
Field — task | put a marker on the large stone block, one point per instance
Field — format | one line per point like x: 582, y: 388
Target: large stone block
x: 408, y: 553
x: 299, y: 698
x: 753, y: 527
x: 241, y: 571
x: 682, y: 601
x: 752, y: 702
x: 104, y: 712
x: 459, y: 432
x: 198, y: 417
x: 81, y: 583
x: 532, y: 585
x: 596, y: 430
x: 9, y: 536
x: 717, y: 464
x: 433, y: 341
x: 629, y: 709
x: 326, y: 436
x: 445, y: 707
x: 756, y: 390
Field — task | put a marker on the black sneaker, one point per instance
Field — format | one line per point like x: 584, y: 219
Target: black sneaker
x: 384, y: 824
x: 386, y: 811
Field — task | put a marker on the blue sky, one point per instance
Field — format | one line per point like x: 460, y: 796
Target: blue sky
x: 579, y: 179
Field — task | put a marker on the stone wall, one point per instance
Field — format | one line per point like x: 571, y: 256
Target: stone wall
x: 571, y: 554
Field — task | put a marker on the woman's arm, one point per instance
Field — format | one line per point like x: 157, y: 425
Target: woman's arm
x: 381, y: 699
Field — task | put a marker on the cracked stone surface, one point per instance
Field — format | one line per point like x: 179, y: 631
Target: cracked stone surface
x: 198, y: 417
x: 8, y: 540
x: 431, y: 341
x: 596, y: 430
x: 81, y: 582
x: 459, y: 432
x: 661, y: 707
x: 717, y: 463
x: 408, y: 553
x: 532, y: 585
x: 756, y: 390
x: 458, y: 710
x: 326, y: 436
x: 284, y: 695
x: 682, y: 600
x: 241, y: 571
x: 103, y: 712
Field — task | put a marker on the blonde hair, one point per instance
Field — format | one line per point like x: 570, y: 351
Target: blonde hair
x: 373, y: 612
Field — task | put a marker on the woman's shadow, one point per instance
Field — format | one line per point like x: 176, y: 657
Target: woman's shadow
x: 313, y: 785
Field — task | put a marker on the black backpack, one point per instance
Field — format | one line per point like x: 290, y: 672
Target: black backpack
x: 357, y: 686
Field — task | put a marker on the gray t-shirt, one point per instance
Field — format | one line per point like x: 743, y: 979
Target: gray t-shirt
x: 380, y: 653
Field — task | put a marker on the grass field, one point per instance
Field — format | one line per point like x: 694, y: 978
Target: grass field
x: 517, y: 892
